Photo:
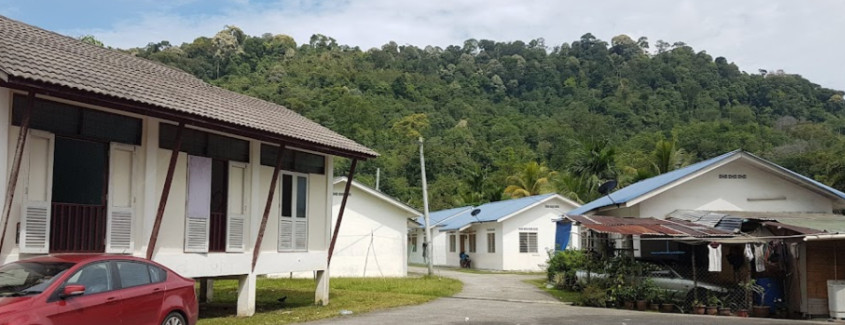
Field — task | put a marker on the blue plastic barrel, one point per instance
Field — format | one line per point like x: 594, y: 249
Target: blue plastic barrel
x: 774, y: 292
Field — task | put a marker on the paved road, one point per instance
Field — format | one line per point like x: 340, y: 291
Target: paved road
x: 506, y: 299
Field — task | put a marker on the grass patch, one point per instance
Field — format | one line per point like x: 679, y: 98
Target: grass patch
x: 562, y: 295
x: 358, y: 295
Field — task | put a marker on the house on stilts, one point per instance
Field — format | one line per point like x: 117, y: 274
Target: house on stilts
x: 110, y: 153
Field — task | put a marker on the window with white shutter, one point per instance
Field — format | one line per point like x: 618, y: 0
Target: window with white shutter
x: 293, y: 218
x: 35, y: 214
x: 471, y: 239
x: 491, y: 242
x: 198, y: 206
x: 452, y: 245
x: 237, y: 207
x: 119, y: 232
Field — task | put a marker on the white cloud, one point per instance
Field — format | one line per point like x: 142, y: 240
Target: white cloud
x: 798, y: 37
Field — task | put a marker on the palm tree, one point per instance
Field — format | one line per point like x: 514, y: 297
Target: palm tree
x: 597, y: 158
x: 667, y: 156
x: 532, y: 179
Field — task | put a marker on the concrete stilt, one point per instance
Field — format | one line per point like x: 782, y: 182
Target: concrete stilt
x: 206, y: 290
x: 246, y: 295
x: 321, y: 295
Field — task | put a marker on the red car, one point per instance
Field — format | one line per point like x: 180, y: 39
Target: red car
x: 94, y: 289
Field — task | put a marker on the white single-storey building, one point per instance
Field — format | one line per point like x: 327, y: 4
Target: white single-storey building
x: 372, y: 240
x: 738, y: 191
x: 416, y: 236
x: 110, y: 153
x: 512, y: 235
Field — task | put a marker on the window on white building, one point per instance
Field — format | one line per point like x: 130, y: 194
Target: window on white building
x: 293, y: 221
x: 471, y: 243
x: 491, y: 242
x: 528, y: 242
x: 452, y: 243
x: 413, y: 243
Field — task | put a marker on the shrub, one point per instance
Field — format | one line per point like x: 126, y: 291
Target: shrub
x: 562, y: 266
x: 594, y: 295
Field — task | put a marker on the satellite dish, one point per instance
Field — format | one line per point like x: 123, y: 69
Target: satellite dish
x: 607, y: 187
x: 474, y: 213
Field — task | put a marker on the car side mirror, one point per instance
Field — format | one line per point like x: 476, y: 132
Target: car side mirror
x: 72, y: 290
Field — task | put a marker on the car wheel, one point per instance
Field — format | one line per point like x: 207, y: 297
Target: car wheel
x: 174, y: 318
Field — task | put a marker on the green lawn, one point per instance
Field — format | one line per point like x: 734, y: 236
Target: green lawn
x: 562, y: 295
x: 358, y: 295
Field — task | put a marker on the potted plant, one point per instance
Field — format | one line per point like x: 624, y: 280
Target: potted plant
x: 642, y: 291
x: 759, y: 310
x: 668, y: 296
x: 655, y: 297
x: 756, y: 310
x: 713, y: 303
x: 698, y: 307
x: 625, y: 296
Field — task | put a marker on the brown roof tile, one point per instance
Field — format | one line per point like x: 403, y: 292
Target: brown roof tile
x: 34, y: 54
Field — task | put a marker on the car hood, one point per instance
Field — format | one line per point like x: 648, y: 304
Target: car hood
x: 9, y: 304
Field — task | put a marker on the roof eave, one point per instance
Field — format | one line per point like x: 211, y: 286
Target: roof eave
x: 172, y: 115
x: 380, y: 195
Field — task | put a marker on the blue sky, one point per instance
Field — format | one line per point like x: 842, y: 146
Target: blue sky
x: 803, y: 37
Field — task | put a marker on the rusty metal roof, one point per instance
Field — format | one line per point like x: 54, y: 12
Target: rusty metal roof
x: 647, y: 226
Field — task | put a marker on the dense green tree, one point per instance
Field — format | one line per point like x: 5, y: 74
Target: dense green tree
x: 591, y: 109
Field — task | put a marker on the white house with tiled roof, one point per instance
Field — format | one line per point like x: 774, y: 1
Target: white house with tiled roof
x: 110, y: 153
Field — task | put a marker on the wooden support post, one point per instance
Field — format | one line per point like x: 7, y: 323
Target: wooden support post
x: 165, y: 192
x: 16, y: 166
x: 270, y: 195
x: 694, y: 277
x: 342, y: 208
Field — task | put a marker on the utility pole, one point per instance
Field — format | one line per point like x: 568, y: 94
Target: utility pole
x: 428, y: 246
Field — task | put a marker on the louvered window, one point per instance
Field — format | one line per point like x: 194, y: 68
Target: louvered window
x: 528, y: 242
x: 472, y: 243
x: 293, y: 219
x: 452, y: 245
x: 491, y: 242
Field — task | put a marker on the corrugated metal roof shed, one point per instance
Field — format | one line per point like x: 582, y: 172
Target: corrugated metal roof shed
x: 647, y: 227
x: 823, y: 222
x: 719, y: 220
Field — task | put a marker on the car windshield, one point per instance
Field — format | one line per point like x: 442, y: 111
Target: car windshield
x: 24, y: 278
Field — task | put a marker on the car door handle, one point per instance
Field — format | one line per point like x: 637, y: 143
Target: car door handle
x: 111, y: 300
x: 156, y: 289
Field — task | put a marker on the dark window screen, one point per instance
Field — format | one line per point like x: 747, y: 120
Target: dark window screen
x: 79, y: 171
x: 287, y: 195
x: 301, y: 189
x: 199, y: 143
x: 68, y: 120
x: 293, y: 160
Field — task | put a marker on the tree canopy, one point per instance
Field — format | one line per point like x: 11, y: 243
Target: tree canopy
x: 586, y: 111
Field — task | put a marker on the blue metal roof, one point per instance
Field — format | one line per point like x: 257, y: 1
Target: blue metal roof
x: 493, y: 211
x: 645, y: 186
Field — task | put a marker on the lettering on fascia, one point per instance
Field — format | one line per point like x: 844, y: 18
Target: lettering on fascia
x: 732, y: 176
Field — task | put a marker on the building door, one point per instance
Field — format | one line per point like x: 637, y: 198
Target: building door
x: 463, y: 243
x: 78, y: 211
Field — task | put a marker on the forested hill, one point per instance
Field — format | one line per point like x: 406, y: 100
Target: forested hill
x: 540, y: 117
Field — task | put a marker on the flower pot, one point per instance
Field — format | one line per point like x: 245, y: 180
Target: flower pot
x: 654, y: 307
x: 742, y: 313
x: 629, y: 305
x: 667, y: 308
x: 760, y: 311
x: 724, y: 311
x: 641, y: 305
x: 712, y: 310
x: 699, y: 309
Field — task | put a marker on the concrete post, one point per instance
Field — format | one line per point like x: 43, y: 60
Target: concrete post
x: 321, y: 295
x: 206, y: 290
x: 246, y: 295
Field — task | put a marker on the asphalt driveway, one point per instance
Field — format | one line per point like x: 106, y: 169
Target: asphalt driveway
x: 506, y: 299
